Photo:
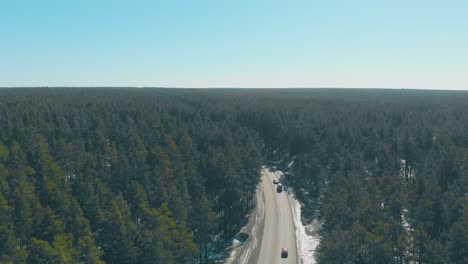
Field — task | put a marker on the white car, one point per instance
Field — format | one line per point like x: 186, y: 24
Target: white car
x: 275, y: 181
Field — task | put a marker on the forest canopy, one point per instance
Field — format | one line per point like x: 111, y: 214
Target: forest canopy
x: 126, y: 175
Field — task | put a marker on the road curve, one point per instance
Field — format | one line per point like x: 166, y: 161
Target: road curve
x: 279, y: 229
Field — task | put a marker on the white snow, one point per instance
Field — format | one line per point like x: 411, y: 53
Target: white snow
x: 70, y: 175
x: 403, y: 167
x: 306, y: 244
x: 241, y: 253
x: 410, y: 234
x: 279, y: 174
x: 404, y: 220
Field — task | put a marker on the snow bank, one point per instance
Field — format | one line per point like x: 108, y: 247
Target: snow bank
x: 307, y: 238
x: 242, y: 252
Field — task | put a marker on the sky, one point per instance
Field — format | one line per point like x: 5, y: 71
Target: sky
x: 241, y: 43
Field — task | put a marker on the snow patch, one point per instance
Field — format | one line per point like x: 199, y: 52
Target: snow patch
x: 241, y: 251
x: 404, y: 220
x: 406, y: 170
x: 410, y: 235
x: 307, y: 238
x: 70, y: 175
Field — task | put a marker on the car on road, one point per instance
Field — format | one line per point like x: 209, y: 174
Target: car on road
x: 275, y: 181
x: 284, y: 252
x: 279, y: 188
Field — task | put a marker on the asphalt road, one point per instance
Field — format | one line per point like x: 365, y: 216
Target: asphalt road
x: 279, y: 229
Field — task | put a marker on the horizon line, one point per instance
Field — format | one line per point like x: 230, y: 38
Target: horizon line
x: 233, y: 87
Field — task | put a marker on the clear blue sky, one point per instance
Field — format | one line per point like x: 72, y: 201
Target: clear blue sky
x: 227, y: 43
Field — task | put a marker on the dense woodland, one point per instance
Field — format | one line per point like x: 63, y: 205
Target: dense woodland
x: 152, y: 175
x: 386, y: 172
x: 118, y: 176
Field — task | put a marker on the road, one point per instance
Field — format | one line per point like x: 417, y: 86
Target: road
x: 279, y: 229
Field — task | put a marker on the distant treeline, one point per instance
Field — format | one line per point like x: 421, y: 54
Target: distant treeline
x: 151, y: 175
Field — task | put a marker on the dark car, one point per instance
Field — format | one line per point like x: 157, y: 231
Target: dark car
x: 279, y: 188
x: 284, y: 252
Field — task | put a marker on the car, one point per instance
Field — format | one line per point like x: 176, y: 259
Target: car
x: 275, y: 181
x: 284, y: 252
x: 279, y: 188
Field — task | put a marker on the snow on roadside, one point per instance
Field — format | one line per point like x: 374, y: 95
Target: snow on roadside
x: 241, y: 253
x: 306, y: 244
x: 307, y: 238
